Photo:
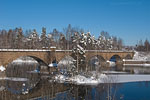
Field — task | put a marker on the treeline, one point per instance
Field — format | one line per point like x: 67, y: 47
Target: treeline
x: 30, y: 39
x: 143, y: 46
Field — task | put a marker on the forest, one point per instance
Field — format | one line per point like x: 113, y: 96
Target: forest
x: 30, y: 39
x: 145, y: 47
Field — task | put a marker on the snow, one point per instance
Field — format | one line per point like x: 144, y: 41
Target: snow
x: 43, y: 50
x: 53, y: 47
x: 134, y: 60
x: 80, y: 79
x: 81, y: 50
x: 89, y: 81
x: 60, y: 78
x: 141, y: 56
x: 53, y: 65
x: 103, y: 78
x: 130, y: 78
x: 14, y: 79
x: 65, y: 62
x: 83, y: 80
x: 144, y: 65
x: 2, y: 88
x: 114, y: 72
x: 24, y: 61
x: 2, y: 68
x: 2, y: 78
x: 111, y: 63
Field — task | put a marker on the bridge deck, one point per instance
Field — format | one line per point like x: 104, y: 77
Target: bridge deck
x: 44, y: 50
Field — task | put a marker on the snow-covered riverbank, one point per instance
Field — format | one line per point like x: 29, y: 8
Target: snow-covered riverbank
x: 141, y: 56
x: 102, y: 78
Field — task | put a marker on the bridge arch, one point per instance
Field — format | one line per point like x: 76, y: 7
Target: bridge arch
x: 13, y: 58
x: 61, y: 56
x: 66, y: 64
x: 27, y: 68
x: 29, y: 58
x: 115, y: 58
x: 95, y: 62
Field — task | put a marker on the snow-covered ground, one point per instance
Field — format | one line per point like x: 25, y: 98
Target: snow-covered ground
x: 140, y: 56
x: 102, y: 78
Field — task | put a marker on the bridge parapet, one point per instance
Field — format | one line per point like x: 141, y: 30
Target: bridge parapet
x: 64, y: 50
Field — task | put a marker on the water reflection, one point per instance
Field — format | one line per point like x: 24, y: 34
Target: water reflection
x: 56, y: 91
x: 24, y: 82
x: 137, y: 69
x: 22, y: 75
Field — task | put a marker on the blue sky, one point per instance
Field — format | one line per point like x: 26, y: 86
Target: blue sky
x: 127, y: 19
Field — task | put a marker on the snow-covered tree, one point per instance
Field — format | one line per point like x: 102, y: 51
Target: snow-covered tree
x: 43, y: 38
x: 102, y: 41
x: 83, y: 40
x: 79, y: 45
x: 110, y: 43
x: 50, y: 40
x: 19, y: 38
x: 89, y: 41
x: 94, y: 42
x: 33, y: 39
x: 62, y: 41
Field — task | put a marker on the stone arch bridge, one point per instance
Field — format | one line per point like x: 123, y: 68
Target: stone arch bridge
x: 47, y: 56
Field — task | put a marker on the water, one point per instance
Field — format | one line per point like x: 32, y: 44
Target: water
x: 32, y: 86
x: 134, y: 91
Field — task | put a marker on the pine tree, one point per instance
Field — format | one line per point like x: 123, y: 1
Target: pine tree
x: 43, y: 38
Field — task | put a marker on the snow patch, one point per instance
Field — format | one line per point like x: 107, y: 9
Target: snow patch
x: 130, y: 78
x: 80, y: 79
x: 114, y: 72
x: 2, y: 68
x: 102, y: 78
x: 144, y: 65
x: 141, y: 56
x: 24, y: 61
x: 2, y: 88
x: 53, y: 65
x: 111, y: 63
x: 14, y: 79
